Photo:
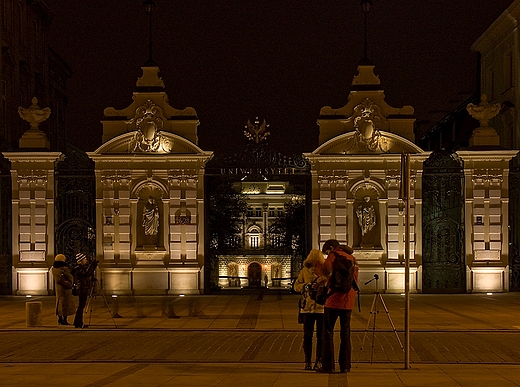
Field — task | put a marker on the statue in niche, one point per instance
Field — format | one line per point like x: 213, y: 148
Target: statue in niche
x: 234, y: 279
x: 366, y: 215
x: 151, y: 222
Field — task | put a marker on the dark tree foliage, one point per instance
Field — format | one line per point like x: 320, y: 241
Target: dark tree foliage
x: 291, y: 228
x: 226, y: 213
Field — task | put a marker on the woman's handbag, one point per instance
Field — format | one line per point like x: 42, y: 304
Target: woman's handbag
x: 321, y: 295
x: 317, y: 292
x: 64, y: 281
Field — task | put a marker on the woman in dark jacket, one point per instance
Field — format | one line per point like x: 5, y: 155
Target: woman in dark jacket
x: 65, y: 305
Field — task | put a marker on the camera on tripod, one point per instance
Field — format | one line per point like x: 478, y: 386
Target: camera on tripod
x: 376, y: 277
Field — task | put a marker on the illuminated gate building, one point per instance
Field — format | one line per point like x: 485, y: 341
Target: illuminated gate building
x: 139, y: 203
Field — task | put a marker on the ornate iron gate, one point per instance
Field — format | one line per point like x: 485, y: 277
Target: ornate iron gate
x: 6, y: 255
x: 514, y: 225
x: 75, y: 205
x: 258, y: 162
x: 444, y: 267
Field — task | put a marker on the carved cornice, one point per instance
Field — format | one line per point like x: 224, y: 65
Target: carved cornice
x: 123, y: 177
x: 393, y: 178
x: 34, y: 176
x: 33, y: 157
x: 340, y: 178
x: 491, y: 176
x: 504, y: 25
x: 178, y: 176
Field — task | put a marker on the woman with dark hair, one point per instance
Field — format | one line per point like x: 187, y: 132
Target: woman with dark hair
x: 63, y: 280
x: 312, y: 313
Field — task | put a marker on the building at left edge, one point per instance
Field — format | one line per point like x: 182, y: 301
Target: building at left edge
x: 28, y: 68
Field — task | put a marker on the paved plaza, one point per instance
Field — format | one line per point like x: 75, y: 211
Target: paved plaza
x: 253, y: 339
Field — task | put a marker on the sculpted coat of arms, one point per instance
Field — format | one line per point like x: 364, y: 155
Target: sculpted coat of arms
x: 148, y: 137
x: 367, y: 122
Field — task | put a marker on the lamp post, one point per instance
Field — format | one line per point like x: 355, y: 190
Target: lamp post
x: 148, y: 8
x: 365, y: 7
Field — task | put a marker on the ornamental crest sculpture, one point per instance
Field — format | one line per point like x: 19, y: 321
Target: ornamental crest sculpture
x: 148, y: 137
x: 255, y: 131
x: 367, y: 122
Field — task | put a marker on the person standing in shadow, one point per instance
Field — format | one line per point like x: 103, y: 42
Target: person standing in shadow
x: 84, y: 281
x: 63, y: 281
x: 312, y: 312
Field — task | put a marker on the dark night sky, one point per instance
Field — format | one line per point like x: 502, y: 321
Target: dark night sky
x: 278, y: 59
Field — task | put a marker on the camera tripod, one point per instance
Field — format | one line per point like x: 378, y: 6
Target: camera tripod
x: 93, y: 294
x: 373, y: 314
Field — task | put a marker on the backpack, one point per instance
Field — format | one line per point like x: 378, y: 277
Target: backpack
x: 342, y: 277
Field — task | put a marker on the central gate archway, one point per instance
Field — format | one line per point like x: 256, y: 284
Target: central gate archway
x: 254, y: 274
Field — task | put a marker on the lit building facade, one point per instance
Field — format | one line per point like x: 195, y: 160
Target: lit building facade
x: 260, y: 261
x: 458, y: 205
x: 151, y: 183
x: 271, y: 232
x: 149, y: 195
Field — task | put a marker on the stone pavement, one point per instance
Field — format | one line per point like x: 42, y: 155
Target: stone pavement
x: 254, y: 340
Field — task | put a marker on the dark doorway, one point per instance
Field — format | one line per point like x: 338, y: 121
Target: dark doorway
x: 254, y: 274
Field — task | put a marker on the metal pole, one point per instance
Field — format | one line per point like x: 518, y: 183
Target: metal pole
x: 150, y: 42
x: 405, y: 179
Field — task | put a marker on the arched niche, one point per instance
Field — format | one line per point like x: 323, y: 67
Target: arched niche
x: 254, y: 274
x: 233, y: 274
x: 367, y: 217
x: 150, y: 219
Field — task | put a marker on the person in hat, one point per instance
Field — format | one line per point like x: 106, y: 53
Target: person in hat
x: 83, y: 279
x: 63, y: 280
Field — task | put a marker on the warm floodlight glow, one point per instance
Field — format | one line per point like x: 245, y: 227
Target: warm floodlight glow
x: 28, y: 296
x: 489, y: 294
x: 114, y: 295
x: 181, y: 295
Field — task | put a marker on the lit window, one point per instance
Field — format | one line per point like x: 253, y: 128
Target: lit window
x: 255, y: 241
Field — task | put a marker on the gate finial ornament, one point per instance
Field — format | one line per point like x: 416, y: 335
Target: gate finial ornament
x: 34, y: 137
x: 484, y: 134
x: 257, y: 132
